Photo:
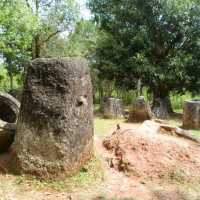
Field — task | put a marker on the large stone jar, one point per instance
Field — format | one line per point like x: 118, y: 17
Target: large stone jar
x: 112, y: 108
x: 140, y: 110
x: 55, y: 128
x: 191, y: 114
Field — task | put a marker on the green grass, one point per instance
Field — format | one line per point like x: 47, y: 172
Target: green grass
x: 178, y: 100
x: 195, y: 132
x: 89, y: 174
x: 103, y: 126
x: 178, y: 123
x: 93, y: 171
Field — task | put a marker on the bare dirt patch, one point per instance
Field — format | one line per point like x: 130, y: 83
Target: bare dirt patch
x: 114, y: 184
x: 153, y: 154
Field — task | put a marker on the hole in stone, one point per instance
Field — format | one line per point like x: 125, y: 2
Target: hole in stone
x: 79, y: 103
x: 6, y: 113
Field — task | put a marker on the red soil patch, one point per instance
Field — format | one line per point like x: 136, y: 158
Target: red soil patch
x: 144, y: 153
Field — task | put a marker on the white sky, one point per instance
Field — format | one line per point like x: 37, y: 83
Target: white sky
x: 85, y: 14
x: 84, y: 11
x: 1, y: 59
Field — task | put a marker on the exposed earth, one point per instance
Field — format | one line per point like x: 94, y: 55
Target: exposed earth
x: 115, y: 184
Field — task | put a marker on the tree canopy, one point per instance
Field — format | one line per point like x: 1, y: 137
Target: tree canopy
x: 27, y: 25
x: 156, y: 41
x: 53, y: 18
x: 16, y: 29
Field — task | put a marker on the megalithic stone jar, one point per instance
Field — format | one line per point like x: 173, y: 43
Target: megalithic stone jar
x: 55, y: 127
x: 191, y: 114
x: 112, y: 108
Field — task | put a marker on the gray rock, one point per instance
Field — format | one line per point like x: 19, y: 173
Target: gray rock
x: 162, y: 108
x: 17, y: 93
x: 7, y: 133
x: 55, y: 128
x: 112, y: 108
x: 9, y: 108
x: 191, y: 114
x: 140, y: 110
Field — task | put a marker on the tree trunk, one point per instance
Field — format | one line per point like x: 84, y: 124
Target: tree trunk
x: 10, y: 72
x: 100, y: 92
x: 36, y: 47
x: 139, y: 88
x: 11, y: 81
x: 9, y: 108
x: 162, y: 107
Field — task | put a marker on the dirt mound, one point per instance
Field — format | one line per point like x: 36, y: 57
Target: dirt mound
x: 159, y: 153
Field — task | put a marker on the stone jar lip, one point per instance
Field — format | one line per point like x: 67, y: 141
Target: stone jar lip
x: 113, y: 98
x: 194, y: 101
x: 54, y: 136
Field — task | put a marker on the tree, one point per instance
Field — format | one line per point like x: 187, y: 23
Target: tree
x: 80, y: 42
x: 16, y: 28
x: 156, y: 41
x: 27, y: 25
x: 53, y: 17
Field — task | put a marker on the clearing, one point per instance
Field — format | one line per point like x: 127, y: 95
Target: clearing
x: 97, y: 181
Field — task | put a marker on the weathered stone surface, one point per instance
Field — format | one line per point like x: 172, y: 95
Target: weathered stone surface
x: 9, y: 110
x: 7, y: 133
x: 140, y: 111
x: 191, y: 114
x: 17, y: 93
x: 9, y: 107
x: 162, y: 108
x: 55, y: 128
x: 112, y: 108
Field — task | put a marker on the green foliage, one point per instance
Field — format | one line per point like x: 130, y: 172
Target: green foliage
x: 5, y: 81
x: 177, y: 100
x: 17, y: 26
x: 26, y: 26
x: 22, y: 20
x: 81, y: 42
x: 56, y: 47
x: 156, y: 41
x: 53, y: 18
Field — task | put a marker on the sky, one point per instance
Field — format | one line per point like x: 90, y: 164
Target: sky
x: 1, y: 59
x: 85, y: 14
x: 84, y: 11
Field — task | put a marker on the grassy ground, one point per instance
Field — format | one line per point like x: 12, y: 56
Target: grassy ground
x: 176, y: 122
x: 91, y: 175
x: 92, y: 172
x: 178, y: 100
x: 102, y: 126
